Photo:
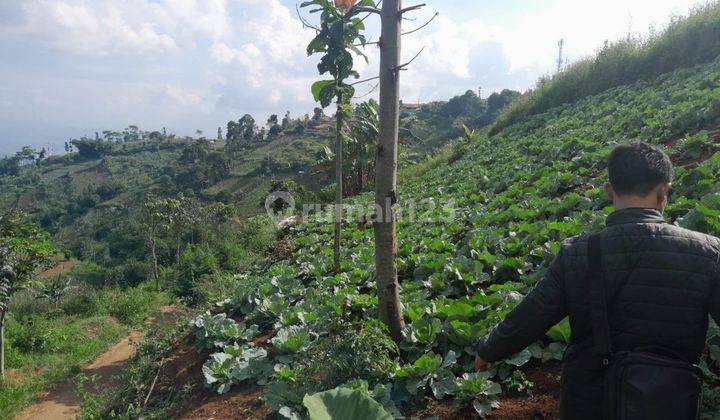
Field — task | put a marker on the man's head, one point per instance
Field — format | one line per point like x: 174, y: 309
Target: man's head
x: 640, y: 176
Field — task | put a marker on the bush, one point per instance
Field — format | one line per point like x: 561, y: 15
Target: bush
x: 130, y: 306
x: 130, y: 274
x: 217, y: 288
x: 89, y: 273
x: 81, y: 300
x: 24, y: 304
x: 368, y: 354
x: 196, y: 264
x: 33, y: 334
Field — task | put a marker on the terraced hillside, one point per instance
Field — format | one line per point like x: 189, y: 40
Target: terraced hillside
x: 486, y: 228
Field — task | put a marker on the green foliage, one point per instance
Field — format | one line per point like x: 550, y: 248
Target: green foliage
x: 236, y: 365
x: 344, y: 403
x: 216, y: 332
x: 476, y: 388
x: 56, y: 353
x: 366, y: 353
x: 515, y: 198
x: 339, y: 34
x: 91, y: 149
x: 130, y: 306
x: 24, y: 248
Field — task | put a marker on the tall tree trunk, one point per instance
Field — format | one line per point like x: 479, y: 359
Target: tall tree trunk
x: 338, y: 182
x: 2, y: 344
x: 386, y: 171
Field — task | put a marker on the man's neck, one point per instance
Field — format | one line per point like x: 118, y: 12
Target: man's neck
x: 625, y: 206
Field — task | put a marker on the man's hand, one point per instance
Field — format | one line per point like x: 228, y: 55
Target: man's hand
x: 481, y: 365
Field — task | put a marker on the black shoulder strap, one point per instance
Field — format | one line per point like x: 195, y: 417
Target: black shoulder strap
x: 598, y: 300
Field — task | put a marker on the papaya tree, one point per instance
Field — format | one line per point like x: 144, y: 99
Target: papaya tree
x: 339, y: 37
x: 24, y: 250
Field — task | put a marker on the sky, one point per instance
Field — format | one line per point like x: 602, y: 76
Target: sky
x: 73, y: 67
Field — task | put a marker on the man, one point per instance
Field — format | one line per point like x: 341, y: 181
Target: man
x: 661, y: 284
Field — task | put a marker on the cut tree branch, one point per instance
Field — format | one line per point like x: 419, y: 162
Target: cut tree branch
x: 411, y: 8
x: 423, y: 25
x: 403, y: 66
x: 365, y: 80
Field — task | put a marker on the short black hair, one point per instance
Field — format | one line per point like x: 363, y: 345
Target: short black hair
x: 637, y: 168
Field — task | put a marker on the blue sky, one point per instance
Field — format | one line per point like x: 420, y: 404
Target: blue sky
x: 73, y: 67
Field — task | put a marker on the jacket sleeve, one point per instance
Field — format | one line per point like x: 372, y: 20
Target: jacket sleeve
x: 715, y: 297
x: 542, y: 308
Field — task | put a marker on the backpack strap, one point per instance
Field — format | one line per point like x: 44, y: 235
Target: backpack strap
x: 598, y: 301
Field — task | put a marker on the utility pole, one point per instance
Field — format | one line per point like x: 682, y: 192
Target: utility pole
x: 560, y: 60
x: 388, y: 287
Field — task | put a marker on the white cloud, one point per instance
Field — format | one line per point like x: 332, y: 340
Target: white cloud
x: 266, y: 59
x: 198, y: 63
x: 130, y: 27
x: 84, y: 27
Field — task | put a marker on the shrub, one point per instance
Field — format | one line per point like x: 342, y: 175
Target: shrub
x: 81, y: 300
x: 129, y: 306
x: 368, y: 354
x: 196, y: 264
x: 33, y: 334
x: 130, y: 274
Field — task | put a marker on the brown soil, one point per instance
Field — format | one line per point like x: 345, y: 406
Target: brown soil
x: 542, y: 403
x: 183, y: 370
x: 62, y: 402
x: 61, y: 267
x: 679, y: 160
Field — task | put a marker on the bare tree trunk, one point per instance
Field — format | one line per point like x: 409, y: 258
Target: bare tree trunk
x: 2, y: 344
x: 388, y: 287
x: 338, y: 182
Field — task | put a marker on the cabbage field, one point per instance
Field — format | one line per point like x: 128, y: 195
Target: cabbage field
x: 488, y: 225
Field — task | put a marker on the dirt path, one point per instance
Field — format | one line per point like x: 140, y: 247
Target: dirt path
x: 61, y: 267
x: 62, y: 402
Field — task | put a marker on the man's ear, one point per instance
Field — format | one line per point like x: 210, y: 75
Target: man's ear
x: 609, y: 192
x: 663, y: 193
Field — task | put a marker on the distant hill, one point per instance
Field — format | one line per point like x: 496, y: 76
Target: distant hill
x: 89, y: 197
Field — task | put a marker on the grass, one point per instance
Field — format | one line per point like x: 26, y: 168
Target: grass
x: 47, y: 345
x: 33, y: 372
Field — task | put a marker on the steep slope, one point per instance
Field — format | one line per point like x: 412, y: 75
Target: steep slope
x: 473, y: 237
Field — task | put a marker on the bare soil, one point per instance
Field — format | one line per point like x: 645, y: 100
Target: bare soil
x: 62, y: 402
x: 543, y: 402
x: 61, y: 267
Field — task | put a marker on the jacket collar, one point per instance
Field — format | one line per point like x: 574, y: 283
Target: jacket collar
x: 635, y: 215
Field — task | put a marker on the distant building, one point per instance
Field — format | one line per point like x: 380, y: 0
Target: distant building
x: 409, y: 106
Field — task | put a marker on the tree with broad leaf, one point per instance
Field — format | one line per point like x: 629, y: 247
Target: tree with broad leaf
x: 337, y: 38
x: 24, y: 249
x: 363, y: 143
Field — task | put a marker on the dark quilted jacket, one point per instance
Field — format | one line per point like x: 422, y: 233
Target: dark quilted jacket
x: 662, y: 283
